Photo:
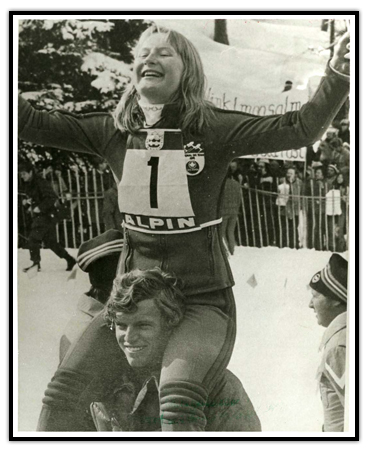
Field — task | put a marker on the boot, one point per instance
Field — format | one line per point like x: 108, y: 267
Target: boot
x: 71, y: 262
x: 31, y: 266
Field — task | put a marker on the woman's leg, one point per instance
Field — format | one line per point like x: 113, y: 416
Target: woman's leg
x: 93, y: 362
x: 86, y: 373
x: 198, y: 352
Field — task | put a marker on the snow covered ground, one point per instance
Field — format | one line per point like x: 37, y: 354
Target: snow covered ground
x: 276, y: 352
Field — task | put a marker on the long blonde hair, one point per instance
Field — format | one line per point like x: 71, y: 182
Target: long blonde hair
x: 195, y: 111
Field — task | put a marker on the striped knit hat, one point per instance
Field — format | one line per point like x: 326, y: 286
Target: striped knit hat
x: 99, y: 258
x: 332, y: 281
x: 106, y: 244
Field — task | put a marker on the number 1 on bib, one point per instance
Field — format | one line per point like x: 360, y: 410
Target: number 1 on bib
x: 153, y: 162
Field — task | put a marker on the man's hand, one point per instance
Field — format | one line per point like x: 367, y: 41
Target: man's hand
x: 36, y: 210
x: 341, y: 59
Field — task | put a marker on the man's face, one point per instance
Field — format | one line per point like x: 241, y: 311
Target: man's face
x: 26, y: 176
x: 142, y: 335
x: 323, y: 308
x: 330, y: 172
x: 233, y: 166
x: 319, y: 174
x: 102, y: 166
x: 290, y: 175
x: 158, y: 69
x: 252, y: 168
x: 261, y: 168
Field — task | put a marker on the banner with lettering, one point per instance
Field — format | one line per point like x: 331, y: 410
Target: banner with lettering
x: 266, y: 69
x: 297, y: 155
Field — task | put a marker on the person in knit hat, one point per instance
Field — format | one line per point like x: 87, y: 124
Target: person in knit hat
x: 331, y: 176
x: 329, y: 302
x: 99, y: 258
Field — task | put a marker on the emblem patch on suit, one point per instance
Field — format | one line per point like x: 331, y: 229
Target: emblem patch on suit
x: 155, y: 140
x: 194, y: 157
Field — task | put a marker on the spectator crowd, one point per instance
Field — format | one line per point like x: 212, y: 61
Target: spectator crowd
x: 294, y: 203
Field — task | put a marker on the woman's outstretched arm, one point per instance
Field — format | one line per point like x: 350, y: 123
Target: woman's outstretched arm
x: 60, y: 129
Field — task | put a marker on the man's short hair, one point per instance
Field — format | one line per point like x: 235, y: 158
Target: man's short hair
x: 138, y: 285
x: 287, y: 168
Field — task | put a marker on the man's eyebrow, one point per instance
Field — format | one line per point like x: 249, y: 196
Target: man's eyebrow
x: 121, y: 319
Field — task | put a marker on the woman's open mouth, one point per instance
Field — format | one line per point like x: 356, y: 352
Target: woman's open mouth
x: 150, y: 73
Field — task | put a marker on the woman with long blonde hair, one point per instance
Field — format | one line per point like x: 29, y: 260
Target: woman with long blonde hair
x: 195, y: 110
x: 169, y: 148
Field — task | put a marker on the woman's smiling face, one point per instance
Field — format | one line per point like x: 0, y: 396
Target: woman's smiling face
x: 158, y: 69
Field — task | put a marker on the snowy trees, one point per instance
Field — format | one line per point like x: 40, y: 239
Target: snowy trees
x: 78, y: 65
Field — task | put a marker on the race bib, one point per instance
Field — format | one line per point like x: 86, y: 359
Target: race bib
x: 153, y: 192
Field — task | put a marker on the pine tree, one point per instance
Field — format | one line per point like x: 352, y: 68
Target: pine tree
x: 79, y: 65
